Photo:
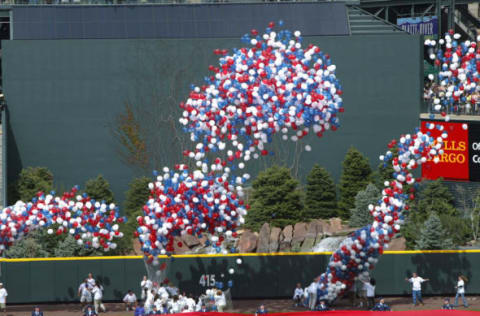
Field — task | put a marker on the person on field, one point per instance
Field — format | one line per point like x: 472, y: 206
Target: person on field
x: 220, y: 301
x: 85, y: 294
x: 97, y: 292
x: 381, y: 306
x: 322, y: 307
x: 261, y: 310
x: 146, y: 285
x: 130, y: 300
x: 370, y: 288
x: 298, y: 295
x: 90, y: 311
x: 139, y: 310
x: 91, y: 280
x: 416, y: 287
x: 36, y: 311
x: 3, y: 298
x: 446, y: 304
x: 312, y: 294
x: 461, y: 290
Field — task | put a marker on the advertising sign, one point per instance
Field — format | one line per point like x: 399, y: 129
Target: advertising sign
x: 454, y: 162
x: 427, y: 25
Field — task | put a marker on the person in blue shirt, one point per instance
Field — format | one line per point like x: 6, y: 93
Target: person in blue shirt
x: 90, y: 311
x: 322, y: 307
x: 261, y: 310
x: 446, y: 304
x: 203, y: 309
x: 37, y: 312
x: 381, y: 306
x: 139, y: 310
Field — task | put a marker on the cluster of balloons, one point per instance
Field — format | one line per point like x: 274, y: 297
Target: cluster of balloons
x: 457, y: 88
x: 272, y: 86
x: 360, y: 251
x: 92, y: 223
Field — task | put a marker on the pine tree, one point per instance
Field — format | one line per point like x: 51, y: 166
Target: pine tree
x: 32, y: 180
x: 434, y: 197
x: 28, y: 247
x: 356, y: 174
x: 275, y: 199
x: 320, y: 195
x: 433, y: 235
x: 99, y: 189
x: 360, y: 215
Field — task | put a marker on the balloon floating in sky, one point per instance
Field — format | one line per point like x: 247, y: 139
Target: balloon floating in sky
x: 272, y: 86
x: 92, y: 223
x: 359, y: 252
x: 458, y: 64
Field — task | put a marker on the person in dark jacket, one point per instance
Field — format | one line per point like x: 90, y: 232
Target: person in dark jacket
x: 446, y: 304
x: 322, y: 307
x: 261, y: 310
x: 381, y: 306
x: 37, y: 312
x: 90, y: 311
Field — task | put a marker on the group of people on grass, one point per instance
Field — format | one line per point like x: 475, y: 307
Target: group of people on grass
x: 308, y: 297
x: 160, y: 299
x: 90, y: 290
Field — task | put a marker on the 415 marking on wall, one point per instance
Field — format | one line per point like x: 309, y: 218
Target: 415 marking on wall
x: 207, y: 280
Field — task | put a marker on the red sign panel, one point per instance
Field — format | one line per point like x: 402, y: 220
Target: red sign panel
x: 454, y: 162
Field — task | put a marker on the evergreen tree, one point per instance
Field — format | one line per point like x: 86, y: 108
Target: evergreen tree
x: 385, y: 170
x: 356, y: 174
x: 136, y: 196
x: 32, y: 180
x: 27, y: 247
x: 275, y: 199
x: 433, y: 235
x: 321, y: 195
x: 434, y: 197
x: 99, y: 189
x: 360, y: 215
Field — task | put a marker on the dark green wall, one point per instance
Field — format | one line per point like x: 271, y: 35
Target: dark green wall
x: 63, y: 97
x: 257, y: 277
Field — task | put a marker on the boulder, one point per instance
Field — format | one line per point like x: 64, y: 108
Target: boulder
x: 247, y: 242
x: 286, y: 239
x: 311, y: 236
x: 179, y: 247
x: 299, y: 233
x: 397, y: 244
x: 190, y: 240
x: 263, y: 238
x: 274, y: 239
x: 335, y: 224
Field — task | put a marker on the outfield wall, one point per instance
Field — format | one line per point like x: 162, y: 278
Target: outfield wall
x: 259, y: 275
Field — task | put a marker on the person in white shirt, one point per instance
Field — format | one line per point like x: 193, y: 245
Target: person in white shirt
x: 220, y: 301
x: 149, y: 301
x: 146, y: 285
x: 85, y: 294
x: 91, y: 281
x: 298, y: 295
x: 312, y: 294
x: 97, y: 292
x: 130, y: 300
x: 417, y: 287
x: 370, y: 289
x: 3, y: 298
x: 461, y: 291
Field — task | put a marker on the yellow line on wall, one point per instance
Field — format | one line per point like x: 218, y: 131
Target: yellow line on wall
x: 406, y: 252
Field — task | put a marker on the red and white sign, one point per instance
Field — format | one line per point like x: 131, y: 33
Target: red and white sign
x: 454, y: 162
